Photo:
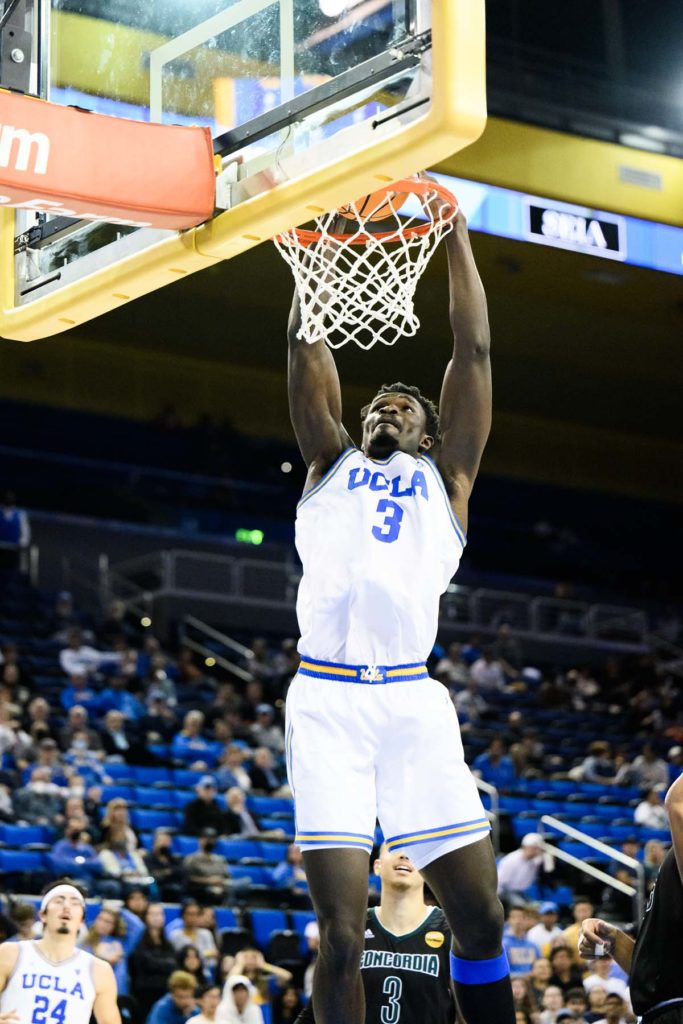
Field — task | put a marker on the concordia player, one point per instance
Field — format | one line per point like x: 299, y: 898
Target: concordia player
x: 380, y: 531
x: 405, y: 966
x: 50, y: 981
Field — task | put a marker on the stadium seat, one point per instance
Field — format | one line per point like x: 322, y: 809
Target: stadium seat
x: 240, y: 849
x: 184, y: 845
x: 152, y: 776
x: 299, y: 920
x: 120, y: 772
x: 22, y: 836
x: 253, y: 874
x: 118, y: 792
x: 233, y: 940
x: 264, y: 922
x: 29, y: 866
x: 273, y: 853
x: 147, y: 820
x: 150, y: 796
x: 225, y: 917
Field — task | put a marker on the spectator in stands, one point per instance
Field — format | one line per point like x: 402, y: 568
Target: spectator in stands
x: 191, y: 747
x: 160, y: 723
x: 287, y: 1005
x: 231, y: 770
x: 290, y: 874
x: 78, y: 658
x: 470, y: 704
x: 165, y: 866
x: 675, y: 759
x: 179, y: 1003
x: 651, y: 770
x: 495, y: 765
x: 566, y: 973
x: 521, y: 953
x: 538, y: 978
x: 118, y: 739
x: 615, y: 1010
x: 553, y: 1002
x: 237, y: 1004
x: 78, y: 722
x: 191, y: 934
x: 152, y: 961
x: 237, y: 820
x: 598, y: 766
x: 522, y: 996
x: 39, y: 714
x: 23, y: 917
x: 264, y: 777
x: 547, y: 928
x: 116, y: 625
x: 582, y: 909
x: 265, y: 731
x: 650, y: 812
x: 506, y: 648
x: 653, y: 858
x: 135, y: 904
x: 122, y: 864
x: 117, y: 696
x: 260, y: 662
x: 204, y: 811
x: 116, y: 822
x: 207, y: 876
x: 15, y: 531
x: 13, y: 739
x: 63, y: 617
x: 7, y: 813
x: 521, y: 868
x: 602, y: 974
x: 40, y: 801
x: 254, y: 694
x: 266, y: 978
x: 488, y: 671
x: 75, y: 856
x: 451, y: 669
x: 105, y: 939
x: 576, y: 1001
x: 81, y: 692
x: 188, y: 959
x: 208, y: 998
x: 596, y: 1004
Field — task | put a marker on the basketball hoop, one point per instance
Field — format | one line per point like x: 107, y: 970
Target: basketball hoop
x: 359, y: 285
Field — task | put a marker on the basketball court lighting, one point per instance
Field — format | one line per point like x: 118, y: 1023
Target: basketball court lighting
x: 286, y: 467
x: 637, y: 141
x: 145, y: 621
x: 332, y: 8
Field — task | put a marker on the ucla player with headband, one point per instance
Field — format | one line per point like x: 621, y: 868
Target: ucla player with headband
x: 50, y: 981
x: 380, y: 531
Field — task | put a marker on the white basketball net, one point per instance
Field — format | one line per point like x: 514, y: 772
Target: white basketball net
x: 360, y: 287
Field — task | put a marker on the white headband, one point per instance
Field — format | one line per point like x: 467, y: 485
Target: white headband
x: 61, y: 890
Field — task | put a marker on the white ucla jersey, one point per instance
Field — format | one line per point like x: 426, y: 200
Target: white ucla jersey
x: 379, y: 543
x: 44, y: 992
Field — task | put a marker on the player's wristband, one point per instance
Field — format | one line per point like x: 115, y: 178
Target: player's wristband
x: 479, y: 972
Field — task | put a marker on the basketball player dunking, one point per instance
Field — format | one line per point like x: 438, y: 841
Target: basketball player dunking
x: 380, y: 531
x: 50, y: 981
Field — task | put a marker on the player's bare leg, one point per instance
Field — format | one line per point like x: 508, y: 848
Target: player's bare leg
x: 338, y: 882
x: 464, y: 882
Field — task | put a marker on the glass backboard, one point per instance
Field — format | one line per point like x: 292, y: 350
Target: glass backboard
x: 310, y: 103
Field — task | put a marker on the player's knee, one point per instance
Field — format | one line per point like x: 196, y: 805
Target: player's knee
x: 482, y: 937
x: 341, y: 944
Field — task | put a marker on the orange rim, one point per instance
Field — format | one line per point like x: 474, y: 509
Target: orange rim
x: 414, y: 186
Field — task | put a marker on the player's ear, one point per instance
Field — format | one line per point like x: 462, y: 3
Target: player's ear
x: 376, y: 867
x: 426, y: 443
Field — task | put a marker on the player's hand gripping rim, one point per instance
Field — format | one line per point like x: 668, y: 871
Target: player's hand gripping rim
x: 597, y: 939
x: 434, y: 204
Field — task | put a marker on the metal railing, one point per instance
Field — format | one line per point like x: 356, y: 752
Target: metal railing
x: 194, y: 634
x: 637, y: 890
x: 493, y: 814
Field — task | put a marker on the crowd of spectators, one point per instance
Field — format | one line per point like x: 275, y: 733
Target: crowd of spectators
x: 122, y: 699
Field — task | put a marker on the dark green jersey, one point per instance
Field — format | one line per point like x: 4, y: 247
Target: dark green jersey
x: 407, y: 977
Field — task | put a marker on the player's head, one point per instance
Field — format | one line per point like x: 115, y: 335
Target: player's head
x: 62, y: 908
x: 397, y: 872
x: 399, y: 418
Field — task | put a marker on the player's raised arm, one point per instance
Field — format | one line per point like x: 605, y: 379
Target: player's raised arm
x: 105, y: 1007
x: 465, y: 405
x: 674, y: 807
x: 315, y: 404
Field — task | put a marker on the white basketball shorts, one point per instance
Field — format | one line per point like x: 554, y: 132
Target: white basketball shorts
x: 368, y: 742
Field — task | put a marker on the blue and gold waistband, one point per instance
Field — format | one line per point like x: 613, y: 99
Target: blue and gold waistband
x: 372, y: 674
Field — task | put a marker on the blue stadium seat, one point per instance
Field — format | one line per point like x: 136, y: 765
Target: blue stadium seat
x: 120, y: 772
x: 273, y: 853
x: 148, y: 776
x: 149, y: 796
x: 22, y: 862
x: 237, y: 849
x: 185, y: 778
x: 21, y: 835
x: 182, y: 796
x: 270, y: 805
x: 225, y: 917
x: 118, y: 792
x: 184, y: 845
x: 147, y: 821
x: 256, y: 876
x: 264, y: 922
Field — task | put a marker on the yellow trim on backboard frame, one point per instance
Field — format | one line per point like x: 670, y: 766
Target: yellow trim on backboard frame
x: 455, y: 118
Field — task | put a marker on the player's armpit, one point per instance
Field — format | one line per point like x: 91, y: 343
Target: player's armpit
x: 105, y: 1007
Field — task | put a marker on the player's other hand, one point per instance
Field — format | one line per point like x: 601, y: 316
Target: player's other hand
x: 597, y: 939
x: 9, y: 1017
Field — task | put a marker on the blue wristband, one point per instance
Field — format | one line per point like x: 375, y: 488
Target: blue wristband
x: 479, y: 972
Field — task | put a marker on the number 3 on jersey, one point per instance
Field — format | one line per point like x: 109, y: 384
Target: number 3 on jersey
x: 42, y: 1015
x: 391, y: 1013
x: 389, y: 530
